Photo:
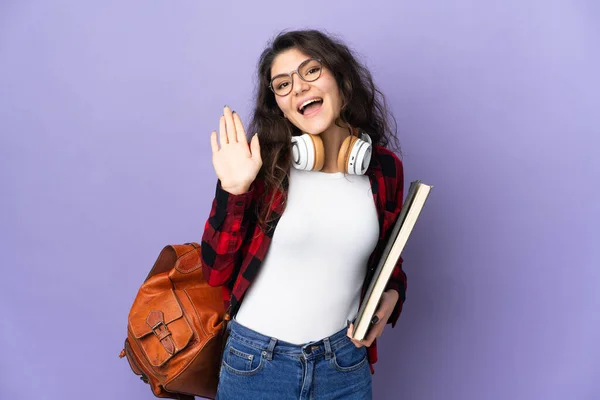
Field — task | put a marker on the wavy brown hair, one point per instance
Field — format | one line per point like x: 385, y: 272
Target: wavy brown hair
x: 364, y: 107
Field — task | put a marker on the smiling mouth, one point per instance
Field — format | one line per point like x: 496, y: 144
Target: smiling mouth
x: 309, y: 105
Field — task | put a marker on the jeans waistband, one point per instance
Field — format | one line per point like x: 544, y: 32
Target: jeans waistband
x: 273, y: 345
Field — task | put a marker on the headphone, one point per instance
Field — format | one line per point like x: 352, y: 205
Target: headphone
x: 308, y: 153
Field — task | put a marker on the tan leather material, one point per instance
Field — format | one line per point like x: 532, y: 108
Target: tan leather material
x: 156, y: 322
x: 175, y: 327
x: 344, y: 154
x: 319, y: 152
x: 188, y: 262
x: 146, y: 301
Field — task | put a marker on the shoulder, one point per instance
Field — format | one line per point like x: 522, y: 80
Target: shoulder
x: 388, y: 169
x: 390, y: 163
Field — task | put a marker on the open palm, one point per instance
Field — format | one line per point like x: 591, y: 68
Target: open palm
x: 236, y: 163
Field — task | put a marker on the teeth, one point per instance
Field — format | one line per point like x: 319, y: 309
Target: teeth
x: 307, y: 102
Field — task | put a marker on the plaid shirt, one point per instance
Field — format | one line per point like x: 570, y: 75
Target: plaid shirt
x: 234, y: 246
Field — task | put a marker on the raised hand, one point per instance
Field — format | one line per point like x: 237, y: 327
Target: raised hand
x: 236, y: 164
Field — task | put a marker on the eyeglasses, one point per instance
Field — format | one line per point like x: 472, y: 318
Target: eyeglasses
x: 308, y: 71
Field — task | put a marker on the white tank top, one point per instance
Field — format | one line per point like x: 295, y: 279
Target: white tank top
x: 310, y: 281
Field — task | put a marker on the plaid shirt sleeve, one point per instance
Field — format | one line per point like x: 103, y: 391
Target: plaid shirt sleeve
x: 398, y: 279
x: 223, y: 234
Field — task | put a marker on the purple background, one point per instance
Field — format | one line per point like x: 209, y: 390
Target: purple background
x: 105, y: 113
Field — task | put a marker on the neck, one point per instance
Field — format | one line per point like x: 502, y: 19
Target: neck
x: 332, y: 141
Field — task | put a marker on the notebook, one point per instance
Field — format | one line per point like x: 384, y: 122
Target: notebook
x: 411, y: 209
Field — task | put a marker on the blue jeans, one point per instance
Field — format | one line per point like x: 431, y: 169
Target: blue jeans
x: 258, y: 367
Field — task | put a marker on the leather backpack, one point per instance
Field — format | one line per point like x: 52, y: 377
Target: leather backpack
x: 176, y: 326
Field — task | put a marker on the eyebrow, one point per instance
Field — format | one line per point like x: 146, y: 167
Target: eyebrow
x: 287, y: 73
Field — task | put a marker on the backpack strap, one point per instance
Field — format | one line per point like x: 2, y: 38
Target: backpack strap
x: 169, y: 256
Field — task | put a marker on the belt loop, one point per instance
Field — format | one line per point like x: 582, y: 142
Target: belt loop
x: 327, y: 348
x: 270, y: 349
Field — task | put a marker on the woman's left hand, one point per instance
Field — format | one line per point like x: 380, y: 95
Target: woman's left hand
x: 386, y: 306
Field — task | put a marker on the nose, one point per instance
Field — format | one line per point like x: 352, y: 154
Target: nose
x: 299, y: 85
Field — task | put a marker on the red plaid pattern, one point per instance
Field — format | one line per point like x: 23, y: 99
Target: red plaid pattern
x: 234, y: 246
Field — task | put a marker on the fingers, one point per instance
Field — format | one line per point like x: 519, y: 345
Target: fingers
x: 213, y: 142
x: 376, y: 318
x: 376, y: 328
x: 229, y: 125
x: 239, y: 129
x: 255, y: 148
x: 373, y: 334
x: 231, y: 130
x: 357, y: 343
x: 222, y: 131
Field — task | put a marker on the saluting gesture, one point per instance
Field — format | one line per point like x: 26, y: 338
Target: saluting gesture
x: 236, y: 164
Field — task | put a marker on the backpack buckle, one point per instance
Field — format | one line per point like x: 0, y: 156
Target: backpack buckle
x: 161, y: 330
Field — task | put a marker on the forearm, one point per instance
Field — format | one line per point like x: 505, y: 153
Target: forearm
x: 223, y: 234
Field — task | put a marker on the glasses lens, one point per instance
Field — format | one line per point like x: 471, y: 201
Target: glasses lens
x: 281, y: 85
x: 310, y: 70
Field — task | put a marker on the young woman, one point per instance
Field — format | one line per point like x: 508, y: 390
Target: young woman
x: 300, y: 217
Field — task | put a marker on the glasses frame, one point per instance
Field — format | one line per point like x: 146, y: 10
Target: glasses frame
x: 297, y: 73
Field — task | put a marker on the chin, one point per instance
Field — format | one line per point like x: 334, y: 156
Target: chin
x: 317, y: 127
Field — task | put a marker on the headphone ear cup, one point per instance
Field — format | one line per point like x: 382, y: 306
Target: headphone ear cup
x: 359, y: 154
x: 319, y: 152
x: 308, y: 152
x: 344, y: 155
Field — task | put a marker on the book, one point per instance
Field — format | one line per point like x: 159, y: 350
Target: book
x: 411, y: 209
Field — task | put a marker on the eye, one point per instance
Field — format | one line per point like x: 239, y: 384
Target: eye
x: 283, y: 85
x: 313, y: 70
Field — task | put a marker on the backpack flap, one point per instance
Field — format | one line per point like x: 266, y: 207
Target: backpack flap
x: 159, y: 327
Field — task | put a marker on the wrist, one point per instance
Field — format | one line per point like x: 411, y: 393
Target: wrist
x: 236, y: 190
